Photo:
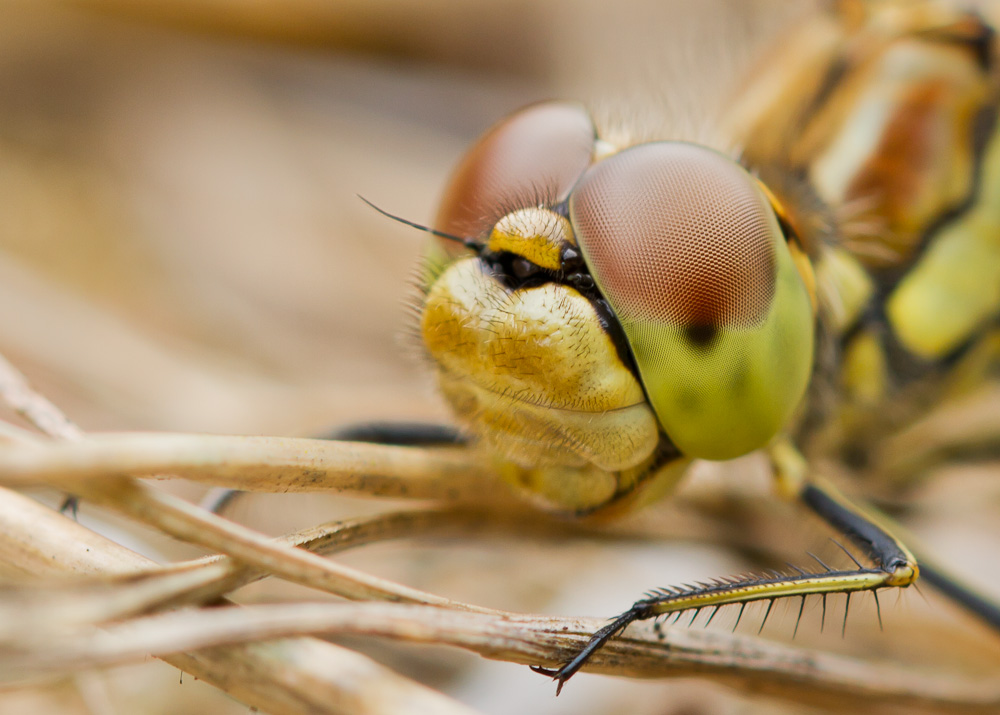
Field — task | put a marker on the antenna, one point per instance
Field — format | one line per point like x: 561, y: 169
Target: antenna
x: 467, y: 242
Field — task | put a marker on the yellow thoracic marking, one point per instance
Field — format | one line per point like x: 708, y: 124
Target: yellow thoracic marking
x: 845, y: 287
x: 533, y: 373
x: 864, y: 371
x: 955, y: 286
x: 889, y: 146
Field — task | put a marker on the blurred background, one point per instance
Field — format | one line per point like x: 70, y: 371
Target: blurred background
x: 182, y: 248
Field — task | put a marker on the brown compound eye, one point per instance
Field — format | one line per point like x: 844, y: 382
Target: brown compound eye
x: 687, y: 250
x: 677, y: 233
x: 537, y: 153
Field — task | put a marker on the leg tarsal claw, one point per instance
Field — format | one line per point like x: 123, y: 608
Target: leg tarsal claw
x: 555, y: 674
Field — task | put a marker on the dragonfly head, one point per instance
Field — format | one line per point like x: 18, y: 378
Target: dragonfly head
x: 619, y: 299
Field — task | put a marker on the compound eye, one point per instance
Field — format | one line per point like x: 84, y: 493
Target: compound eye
x: 688, y: 252
x: 535, y: 155
x: 675, y: 232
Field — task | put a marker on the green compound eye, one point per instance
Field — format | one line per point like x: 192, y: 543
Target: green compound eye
x: 687, y: 250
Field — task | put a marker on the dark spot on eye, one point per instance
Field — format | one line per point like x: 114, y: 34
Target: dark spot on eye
x: 701, y: 335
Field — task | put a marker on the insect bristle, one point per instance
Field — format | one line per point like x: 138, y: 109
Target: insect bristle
x: 849, y: 554
x: 820, y: 561
x: 798, y: 620
x: 847, y: 608
x: 767, y: 613
x: 743, y: 607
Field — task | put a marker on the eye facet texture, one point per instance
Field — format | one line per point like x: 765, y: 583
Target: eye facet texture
x: 675, y: 232
x: 539, y: 152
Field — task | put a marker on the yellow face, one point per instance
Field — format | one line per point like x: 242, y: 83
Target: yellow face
x: 644, y: 309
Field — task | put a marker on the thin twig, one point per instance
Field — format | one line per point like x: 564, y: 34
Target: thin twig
x: 271, y: 464
x: 35, y: 408
x: 522, y: 639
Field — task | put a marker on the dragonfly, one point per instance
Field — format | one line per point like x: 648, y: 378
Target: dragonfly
x: 601, y: 313
x: 821, y: 285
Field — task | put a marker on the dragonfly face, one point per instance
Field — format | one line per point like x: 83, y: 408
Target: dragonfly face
x: 627, y: 308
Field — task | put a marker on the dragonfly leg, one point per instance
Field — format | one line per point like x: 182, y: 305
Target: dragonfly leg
x: 638, y: 612
x: 894, y: 567
x: 827, y: 503
x: 859, y: 526
x: 70, y: 505
x: 399, y: 434
x: 863, y: 530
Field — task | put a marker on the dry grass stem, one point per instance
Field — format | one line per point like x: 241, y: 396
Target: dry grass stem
x: 287, y: 676
x: 212, y: 577
x: 268, y: 464
x: 32, y: 406
x: 190, y: 523
x: 523, y: 639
